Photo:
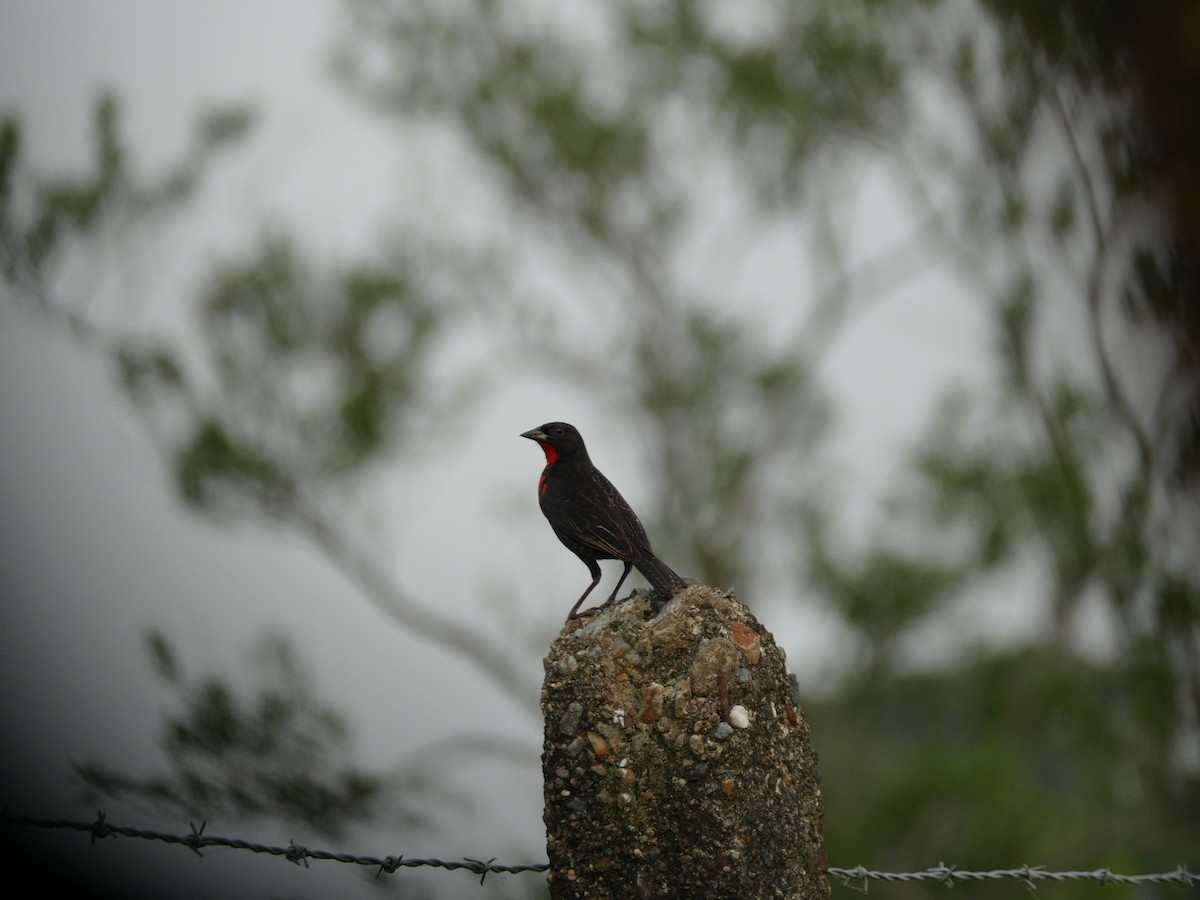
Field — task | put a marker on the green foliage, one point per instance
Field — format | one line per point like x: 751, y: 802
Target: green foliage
x: 714, y: 379
x: 1021, y: 755
x: 372, y: 328
x: 38, y: 215
x: 319, y: 374
x: 144, y: 369
x: 257, y: 437
x: 66, y: 205
x: 267, y: 749
x: 593, y: 163
x: 213, y: 460
x: 1085, y: 41
x: 10, y: 145
x: 777, y: 95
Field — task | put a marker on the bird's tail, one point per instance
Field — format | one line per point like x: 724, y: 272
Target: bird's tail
x: 662, y: 577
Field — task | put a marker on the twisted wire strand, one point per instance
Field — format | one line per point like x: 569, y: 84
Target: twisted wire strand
x: 196, y: 840
x: 858, y: 877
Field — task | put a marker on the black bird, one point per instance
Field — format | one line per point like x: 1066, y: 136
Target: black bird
x: 590, y: 516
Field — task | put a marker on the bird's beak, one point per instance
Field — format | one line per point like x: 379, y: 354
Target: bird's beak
x: 535, y: 434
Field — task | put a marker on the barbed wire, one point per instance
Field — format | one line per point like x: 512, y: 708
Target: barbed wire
x: 197, y: 840
x: 949, y: 876
x: 858, y: 877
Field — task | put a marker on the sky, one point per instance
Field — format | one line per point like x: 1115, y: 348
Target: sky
x: 94, y: 549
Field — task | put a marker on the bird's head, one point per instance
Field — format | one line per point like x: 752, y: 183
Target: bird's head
x: 557, y: 439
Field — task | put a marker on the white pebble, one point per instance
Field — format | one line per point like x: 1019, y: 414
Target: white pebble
x: 739, y: 717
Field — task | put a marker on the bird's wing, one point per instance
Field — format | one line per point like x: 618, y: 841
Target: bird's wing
x: 613, y: 527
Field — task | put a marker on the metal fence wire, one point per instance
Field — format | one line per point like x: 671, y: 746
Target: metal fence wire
x: 858, y: 877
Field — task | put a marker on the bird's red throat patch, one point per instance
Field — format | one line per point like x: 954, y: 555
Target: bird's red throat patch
x: 551, y: 456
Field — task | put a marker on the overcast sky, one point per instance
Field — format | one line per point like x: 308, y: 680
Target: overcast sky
x: 94, y: 549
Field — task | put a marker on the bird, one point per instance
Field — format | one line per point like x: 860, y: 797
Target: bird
x: 590, y: 516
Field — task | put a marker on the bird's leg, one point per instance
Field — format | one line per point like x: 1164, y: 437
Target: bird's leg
x: 620, y: 581
x: 594, y: 568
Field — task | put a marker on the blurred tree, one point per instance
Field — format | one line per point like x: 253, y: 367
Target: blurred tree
x: 1016, y: 132
x: 1030, y: 142
x: 305, y: 379
x: 308, y: 377
x: 279, y: 752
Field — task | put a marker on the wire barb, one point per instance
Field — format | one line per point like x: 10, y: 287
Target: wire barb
x: 196, y: 837
x: 99, y: 829
x: 390, y: 864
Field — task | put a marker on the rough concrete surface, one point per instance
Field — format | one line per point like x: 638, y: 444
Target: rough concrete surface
x: 676, y: 762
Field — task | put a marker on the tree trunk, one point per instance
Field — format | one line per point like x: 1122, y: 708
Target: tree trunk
x: 676, y: 762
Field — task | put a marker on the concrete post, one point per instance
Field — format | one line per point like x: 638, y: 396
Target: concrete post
x: 676, y: 762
